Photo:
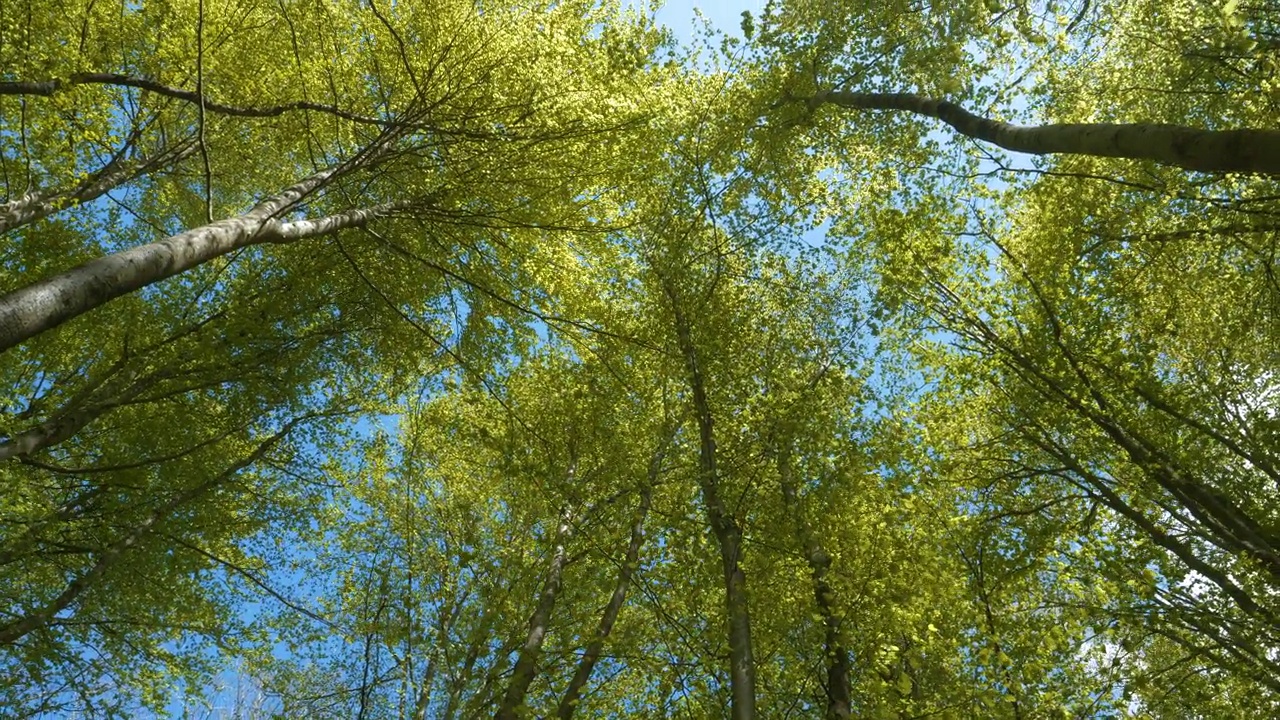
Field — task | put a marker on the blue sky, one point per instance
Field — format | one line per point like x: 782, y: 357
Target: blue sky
x: 724, y: 14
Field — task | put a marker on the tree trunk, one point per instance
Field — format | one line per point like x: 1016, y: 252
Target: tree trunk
x: 47, y: 303
x: 569, y: 703
x: 1244, y: 150
x: 527, y: 663
x: 728, y: 535
x: 837, y: 657
x: 50, y: 432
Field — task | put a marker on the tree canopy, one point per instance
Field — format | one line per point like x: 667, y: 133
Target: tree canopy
x: 450, y: 359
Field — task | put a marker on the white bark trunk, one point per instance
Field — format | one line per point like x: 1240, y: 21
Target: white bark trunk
x: 527, y: 663
x: 48, y: 303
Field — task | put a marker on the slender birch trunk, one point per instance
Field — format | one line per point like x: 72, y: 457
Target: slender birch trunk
x: 527, y: 662
x: 836, y: 656
x: 1246, y: 150
x: 728, y: 535
x: 47, y: 303
x: 569, y: 702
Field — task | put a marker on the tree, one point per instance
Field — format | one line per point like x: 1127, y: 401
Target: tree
x: 437, y: 359
x: 424, y: 131
x: 127, y: 429
x: 1113, y: 400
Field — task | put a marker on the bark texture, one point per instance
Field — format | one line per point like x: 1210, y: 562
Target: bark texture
x: 725, y: 528
x: 1244, y: 150
x: 527, y: 663
x: 47, y: 303
x: 839, y: 691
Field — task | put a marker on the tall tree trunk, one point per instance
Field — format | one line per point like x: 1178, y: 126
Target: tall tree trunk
x: 47, y: 303
x: 527, y: 662
x: 569, y: 703
x: 1245, y: 150
x: 444, y: 624
x: 728, y: 535
x: 837, y: 657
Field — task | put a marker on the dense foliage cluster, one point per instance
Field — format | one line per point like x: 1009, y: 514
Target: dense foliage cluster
x: 451, y: 358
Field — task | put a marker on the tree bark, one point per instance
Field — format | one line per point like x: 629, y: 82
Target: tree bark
x: 526, y: 664
x: 1244, y: 150
x: 839, y: 692
x: 47, y: 303
x: 728, y: 535
x: 49, y: 433
x: 81, y: 409
x: 77, y: 413
x: 569, y: 703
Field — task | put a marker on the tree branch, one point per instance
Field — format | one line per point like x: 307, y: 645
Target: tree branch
x: 1244, y: 150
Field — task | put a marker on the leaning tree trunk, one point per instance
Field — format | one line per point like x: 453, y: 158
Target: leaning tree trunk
x: 47, y: 303
x: 839, y: 691
x: 1243, y: 150
x: 527, y: 662
x: 725, y: 528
